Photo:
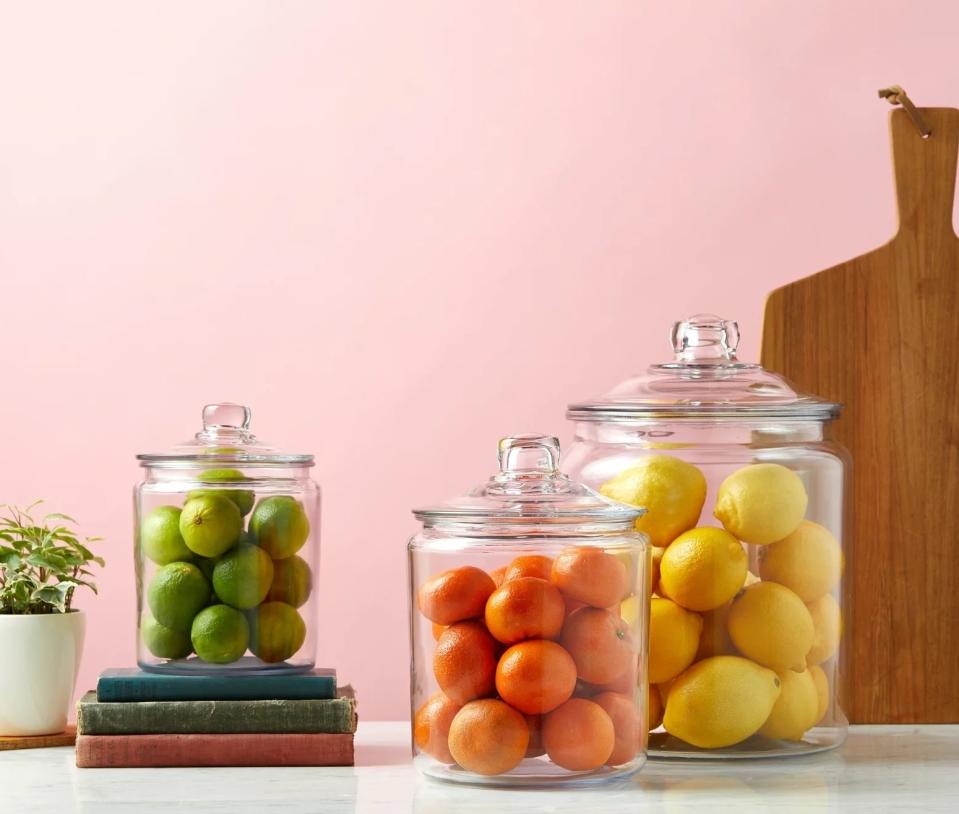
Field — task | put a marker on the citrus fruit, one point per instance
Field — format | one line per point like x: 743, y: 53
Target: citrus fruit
x: 488, y: 737
x: 464, y: 661
x: 292, y: 581
x: 822, y: 690
x: 761, y: 503
x: 579, y: 735
x: 630, y: 609
x: 243, y: 498
x: 714, y: 639
x: 498, y: 575
x: 220, y: 634
x: 621, y: 709
x: 631, y: 562
x: 162, y: 641
x: 703, y: 568
x: 673, y: 639
x: 277, y: 631
x: 455, y: 595
x: 795, y: 709
x: 177, y: 593
x: 280, y: 526
x: 654, y: 709
x: 656, y: 559
x: 431, y: 726
x: 435, y: 629
x: 600, y: 644
x: 529, y: 565
x: 525, y: 608
x: 535, y: 676
x: 827, y: 629
x: 535, y: 747
x: 590, y: 575
x: 769, y: 624
x: 210, y: 525
x: 808, y: 561
x: 720, y: 701
x: 242, y: 577
x: 671, y: 490
x: 160, y: 536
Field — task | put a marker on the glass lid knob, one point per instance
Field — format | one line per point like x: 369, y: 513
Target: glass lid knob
x: 705, y: 338
x: 226, y: 421
x: 529, y: 453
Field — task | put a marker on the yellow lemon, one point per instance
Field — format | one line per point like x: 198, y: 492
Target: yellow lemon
x: 714, y: 640
x: 671, y: 490
x: 769, y: 624
x: 703, y: 568
x: 761, y: 503
x: 827, y: 629
x: 673, y: 639
x: 808, y: 561
x: 795, y: 710
x: 629, y: 611
x: 657, y: 558
x: 822, y: 690
x: 720, y: 701
x: 654, y: 709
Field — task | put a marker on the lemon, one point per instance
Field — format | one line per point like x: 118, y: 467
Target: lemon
x: 655, y: 560
x: 220, y: 634
x: 160, y: 536
x: 822, y: 690
x: 703, y: 568
x: 827, y: 627
x: 671, y: 490
x: 761, y: 503
x: 242, y: 577
x: 629, y: 610
x: 795, y: 710
x: 720, y: 701
x: 654, y: 709
x: 673, y: 639
x: 769, y: 624
x: 808, y: 561
x: 714, y: 640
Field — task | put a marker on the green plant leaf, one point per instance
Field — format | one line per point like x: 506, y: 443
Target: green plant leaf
x: 55, y: 595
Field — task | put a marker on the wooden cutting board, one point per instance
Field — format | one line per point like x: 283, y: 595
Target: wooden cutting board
x: 880, y: 333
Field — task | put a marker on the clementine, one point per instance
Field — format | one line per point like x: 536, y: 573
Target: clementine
x: 488, y: 737
x: 535, y: 676
x: 525, y: 608
x: 535, y: 724
x: 437, y: 631
x: 455, y: 595
x: 579, y: 735
x: 654, y: 712
x: 591, y: 576
x: 529, y: 565
x: 464, y: 662
x: 599, y: 643
x: 622, y: 711
x: 497, y: 575
x: 431, y: 726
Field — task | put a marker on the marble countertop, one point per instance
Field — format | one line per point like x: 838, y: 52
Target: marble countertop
x: 880, y: 768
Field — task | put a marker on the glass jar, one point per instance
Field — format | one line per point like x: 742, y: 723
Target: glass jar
x: 227, y: 537
x: 746, y: 509
x: 528, y: 623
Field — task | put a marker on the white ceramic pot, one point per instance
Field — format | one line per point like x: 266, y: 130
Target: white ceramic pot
x: 39, y: 659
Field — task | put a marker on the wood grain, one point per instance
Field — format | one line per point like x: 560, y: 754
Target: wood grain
x: 879, y: 333
x: 67, y: 738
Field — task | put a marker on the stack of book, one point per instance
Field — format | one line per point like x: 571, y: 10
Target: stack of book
x: 144, y: 719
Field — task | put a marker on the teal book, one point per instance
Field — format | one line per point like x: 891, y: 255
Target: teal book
x: 130, y: 684
x: 330, y: 715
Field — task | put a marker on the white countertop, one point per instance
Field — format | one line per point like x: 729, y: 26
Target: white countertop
x: 900, y: 768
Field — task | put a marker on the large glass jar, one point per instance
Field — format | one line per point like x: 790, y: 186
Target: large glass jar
x: 528, y: 621
x: 227, y: 537
x: 745, y: 499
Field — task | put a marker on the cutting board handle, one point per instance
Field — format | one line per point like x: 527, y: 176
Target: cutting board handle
x: 925, y: 167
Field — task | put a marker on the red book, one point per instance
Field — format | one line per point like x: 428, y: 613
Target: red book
x: 125, y: 751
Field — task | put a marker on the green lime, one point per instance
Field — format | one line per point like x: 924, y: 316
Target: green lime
x: 220, y: 634
x: 243, y: 576
x: 210, y: 524
x: 277, y: 631
x: 243, y: 498
x: 292, y: 581
x: 160, y: 536
x: 176, y: 594
x: 162, y: 641
x: 280, y: 526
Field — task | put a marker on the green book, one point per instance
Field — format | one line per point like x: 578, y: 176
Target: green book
x: 330, y: 715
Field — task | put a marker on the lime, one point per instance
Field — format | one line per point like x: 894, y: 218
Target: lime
x: 277, y: 631
x: 220, y: 634
x: 160, y: 536
x: 176, y: 594
x: 243, y: 576
x: 210, y: 524
x: 162, y: 641
x: 292, y: 581
x: 243, y: 498
x: 280, y: 526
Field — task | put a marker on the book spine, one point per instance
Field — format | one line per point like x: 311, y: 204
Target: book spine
x: 128, y: 751
x: 236, y: 688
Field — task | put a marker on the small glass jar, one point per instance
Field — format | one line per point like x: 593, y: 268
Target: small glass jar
x: 745, y: 495
x: 528, y: 621
x: 227, y: 537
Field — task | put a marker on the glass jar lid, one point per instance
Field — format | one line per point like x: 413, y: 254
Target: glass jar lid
x: 704, y: 380
x: 530, y: 489
x: 225, y: 438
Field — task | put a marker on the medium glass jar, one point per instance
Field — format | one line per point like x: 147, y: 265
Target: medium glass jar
x: 227, y: 537
x: 528, y: 622
x: 745, y: 496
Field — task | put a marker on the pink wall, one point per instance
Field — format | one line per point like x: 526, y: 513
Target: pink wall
x: 399, y: 231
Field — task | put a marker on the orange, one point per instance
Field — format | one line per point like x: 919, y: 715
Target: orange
x: 599, y: 643
x: 622, y: 711
x: 431, y: 726
x: 465, y: 662
x: 437, y: 631
x: 488, y: 737
x: 625, y: 684
x: 579, y: 735
x: 455, y: 595
x: 497, y: 575
x: 591, y: 576
x: 654, y: 712
x: 535, y: 676
x: 535, y: 724
x: 525, y: 608
x: 529, y: 565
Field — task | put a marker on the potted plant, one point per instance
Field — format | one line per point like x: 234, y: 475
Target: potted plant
x: 42, y: 563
